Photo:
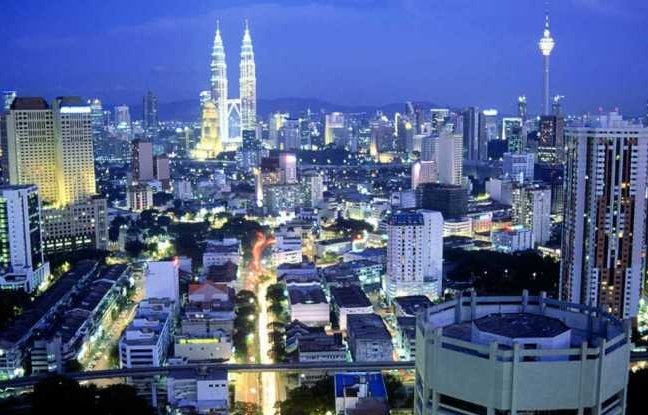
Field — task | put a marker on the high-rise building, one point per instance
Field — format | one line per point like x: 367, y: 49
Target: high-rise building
x: 519, y: 167
x: 520, y: 355
x: 74, y: 153
x: 335, y: 130
x: 522, y: 108
x: 603, y: 241
x: 414, y: 254
x: 122, y: 116
x: 247, y: 82
x: 513, y: 134
x: 22, y: 265
x: 219, y: 85
x: 450, y: 200
x: 150, y: 112
x: 472, y: 131
x: 546, y: 45
x: 7, y: 99
x: 162, y: 171
x: 556, y: 106
x: 289, y: 136
x: 52, y: 148
x: 142, y: 161
x: 551, y: 139
x: 210, y: 144
x: 449, y: 158
x: 532, y: 210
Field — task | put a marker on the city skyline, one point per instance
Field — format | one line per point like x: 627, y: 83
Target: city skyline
x: 165, y: 50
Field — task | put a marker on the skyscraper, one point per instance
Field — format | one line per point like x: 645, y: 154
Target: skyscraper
x: 247, y: 82
x: 335, y: 131
x: 414, y: 254
x: 551, y: 139
x: 142, y: 161
x: 603, y: 241
x: 546, y: 46
x: 450, y: 158
x: 22, y: 265
x: 219, y: 84
x: 471, y: 133
x: 150, y: 112
x: 522, y: 108
x: 532, y: 209
x: 210, y: 139
x: 52, y: 148
x: 512, y: 133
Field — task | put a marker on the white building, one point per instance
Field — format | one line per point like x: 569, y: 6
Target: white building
x: 368, y: 338
x: 500, y: 190
x: 221, y: 252
x: 414, y: 254
x: 520, y: 355
x: 198, y: 391
x: 287, y: 248
x: 215, y: 346
x: 449, y: 158
x: 604, y: 239
x: 182, y: 190
x: 512, y: 240
x: 308, y: 304
x: 146, y: 339
x: 22, y: 264
x: 532, y: 209
x: 519, y: 167
x: 349, y: 301
x: 162, y: 280
x: 462, y: 226
x: 139, y: 197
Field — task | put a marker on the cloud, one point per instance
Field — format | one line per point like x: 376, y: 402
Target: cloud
x: 626, y: 9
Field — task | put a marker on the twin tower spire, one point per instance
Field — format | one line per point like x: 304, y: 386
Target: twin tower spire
x: 247, y: 83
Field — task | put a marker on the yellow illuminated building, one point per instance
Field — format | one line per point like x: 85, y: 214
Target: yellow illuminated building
x: 210, y: 141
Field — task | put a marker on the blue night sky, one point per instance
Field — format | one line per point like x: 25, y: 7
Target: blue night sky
x: 454, y: 52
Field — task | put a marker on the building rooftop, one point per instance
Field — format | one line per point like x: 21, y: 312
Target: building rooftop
x: 306, y: 294
x: 521, y: 325
x: 367, y: 326
x: 410, y: 305
x: 349, y: 297
x: 406, y: 219
x: 29, y: 103
x: 347, y: 383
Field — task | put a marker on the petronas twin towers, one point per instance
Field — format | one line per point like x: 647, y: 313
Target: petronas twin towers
x: 231, y: 116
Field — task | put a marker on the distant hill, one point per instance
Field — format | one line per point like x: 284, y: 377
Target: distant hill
x: 189, y: 110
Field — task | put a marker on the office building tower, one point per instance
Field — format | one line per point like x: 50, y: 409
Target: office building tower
x: 414, y: 254
x: 122, y: 116
x: 556, y: 106
x: 210, y: 144
x: 546, y: 45
x: 472, y: 131
x: 551, y: 139
x: 74, y: 153
x: 449, y: 158
x: 275, y: 124
x: 522, y: 108
x: 289, y: 136
x: 513, y: 134
x: 150, y: 112
x: 520, y: 355
x: 532, y: 210
x: 603, y: 241
x: 439, y: 117
x: 219, y: 85
x: 7, y: 99
x: 450, y: 200
x: 424, y: 172
x: 335, y: 130
x: 288, y: 167
x: 97, y: 120
x: 52, y: 148
x: 519, y: 167
x: 314, y: 188
x: 162, y: 171
x: 142, y: 161
x: 247, y: 82
x: 382, y: 136
x: 22, y: 264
